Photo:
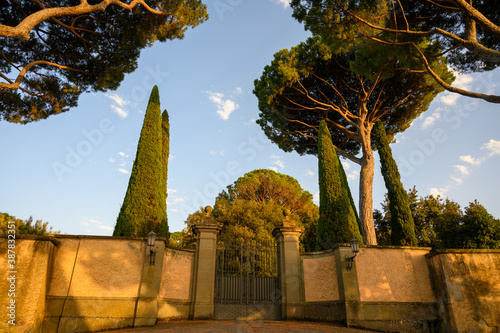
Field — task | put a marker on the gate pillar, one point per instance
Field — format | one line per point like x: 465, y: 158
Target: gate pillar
x: 287, y: 238
x: 204, y: 267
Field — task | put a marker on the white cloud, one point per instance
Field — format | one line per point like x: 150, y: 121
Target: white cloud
x: 462, y: 169
x: 438, y: 191
x: 316, y: 197
x: 224, y: 106
x: 122, y: 154
x: 285, y: 3
x: 353, y: 175
x: 119, y: 111
x: 309, y: 173
x: 171, y: 191
x: 277, y: 161
x: 123, y: 171
x: 273, y: 168
x: 123, y: 164
x: 462, y: 81
x: 214, y: 153
x: 112, y: 160
x: 346, y: 165
x: 493, y: 147
x: 174, y: 210
x: 456, y: 180
x: 118, y: 100
x: 471, y: 160
x: 238, y: 90
x: 176, y: 201
x: 105, y: 227
x: 431, y: 120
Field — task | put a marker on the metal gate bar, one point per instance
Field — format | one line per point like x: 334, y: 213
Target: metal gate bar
x: 247, y: 284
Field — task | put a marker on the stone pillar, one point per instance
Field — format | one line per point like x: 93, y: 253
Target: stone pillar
x: 287, y: 237
x: 146, y: 312
x: 348, y: 284
x: 204, y: 267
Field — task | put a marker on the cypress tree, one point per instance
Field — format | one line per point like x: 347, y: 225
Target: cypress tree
x: 401, y: 222
x: 165, y: 143
x: 144, y: 205
x: 337, y: 222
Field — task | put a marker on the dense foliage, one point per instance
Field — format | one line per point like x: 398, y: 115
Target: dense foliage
x: 144, y: 206
x: 90, y: 48
x: 466, y: 32
x: 253, y: 206
x: 25, y: 227
x: 338, y: 222
x: 311, y: 82
x: 442, y: 224
x: 401, y: 221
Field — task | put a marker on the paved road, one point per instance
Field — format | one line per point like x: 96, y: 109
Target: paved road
x: 242, y: 327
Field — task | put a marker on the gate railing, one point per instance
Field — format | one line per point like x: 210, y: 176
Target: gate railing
x: 247, y: 272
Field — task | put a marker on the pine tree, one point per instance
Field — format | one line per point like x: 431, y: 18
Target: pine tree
x: 337, y: 222
x: 144, y: 205
x: 401, y: 222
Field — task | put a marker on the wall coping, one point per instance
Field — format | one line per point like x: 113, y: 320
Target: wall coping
x: 380, y: 247
x: 461, y: 251
x: 51, y: 239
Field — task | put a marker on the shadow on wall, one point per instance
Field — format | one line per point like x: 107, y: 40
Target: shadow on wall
x: 94, y: 284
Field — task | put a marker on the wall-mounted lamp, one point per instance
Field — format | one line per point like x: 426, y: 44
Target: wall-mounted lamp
x: 355, y: 250
x: 151, y: 244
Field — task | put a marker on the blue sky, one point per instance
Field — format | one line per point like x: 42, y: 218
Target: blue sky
x: 73, y: 169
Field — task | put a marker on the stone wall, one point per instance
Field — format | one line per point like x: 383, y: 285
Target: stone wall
x: 23, y: 286
x: 468, y: 286
x: 86, y: 283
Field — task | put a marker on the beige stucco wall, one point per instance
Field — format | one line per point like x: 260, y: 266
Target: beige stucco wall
x: 32, y: 268
x: 469, y: 286
x: 320, y: 277
x: 176, y: 275
x: 394, y: 275
x: 108, y: 268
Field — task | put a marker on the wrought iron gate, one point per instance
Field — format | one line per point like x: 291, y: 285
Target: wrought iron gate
x: 247, y: 284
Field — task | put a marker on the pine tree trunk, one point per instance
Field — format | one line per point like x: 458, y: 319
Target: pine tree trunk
x: 366, y: 189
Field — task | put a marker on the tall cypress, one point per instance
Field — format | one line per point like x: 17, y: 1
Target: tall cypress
x: 144, y: 205
x: 337, y: 222
x: 165, y: 145
x: 401, y: 222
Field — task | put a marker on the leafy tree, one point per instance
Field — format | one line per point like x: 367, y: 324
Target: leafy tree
x: 467, y: 31
x: 54, y: 50
x: 25, y: 227
x: 442, y: 224
x: 144, y: 205
x: 477, y: 230
x: 253, y: 206
x: 337, y: 222
x: 309, y: 83
x: 402, y: 226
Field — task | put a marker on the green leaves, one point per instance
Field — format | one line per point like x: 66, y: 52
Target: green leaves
x: 90, y: 52
x: 401, y: 221
x: 338, y: 221
x: 144, y: 205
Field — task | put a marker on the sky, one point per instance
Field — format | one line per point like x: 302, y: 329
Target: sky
x: 72, y: 169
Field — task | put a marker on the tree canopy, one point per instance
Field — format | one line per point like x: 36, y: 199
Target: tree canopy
x: 25, y: 227
x: 467, y: 31
x: 253, y: 206
x: 441, y: 223
x: 52, y: 51
x: 309, y: 83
